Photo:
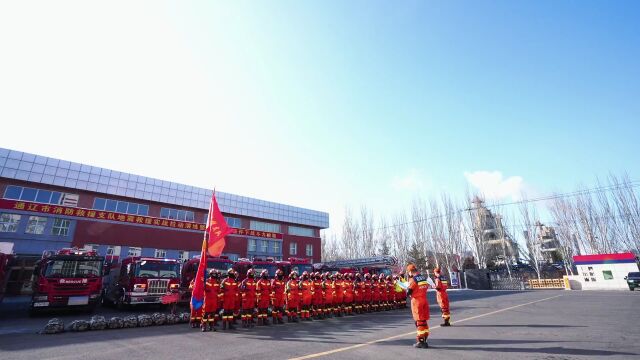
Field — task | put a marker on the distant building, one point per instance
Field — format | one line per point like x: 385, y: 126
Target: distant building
x: 497, y: 242
x: 547, y: 243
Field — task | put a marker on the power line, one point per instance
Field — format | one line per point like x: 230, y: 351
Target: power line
x: 594, y: 190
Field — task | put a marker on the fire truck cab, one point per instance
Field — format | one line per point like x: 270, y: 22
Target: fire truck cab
x: 69, y: 278
x: 373, y: 265
x: 142, y: 280
x: 298, y: 265
x: 190, y: 268
x: 268, y: 264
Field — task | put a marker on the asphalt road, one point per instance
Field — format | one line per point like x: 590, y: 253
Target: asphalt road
x: 486, y: 325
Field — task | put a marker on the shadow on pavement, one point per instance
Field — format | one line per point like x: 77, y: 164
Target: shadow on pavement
x: 528, y: 326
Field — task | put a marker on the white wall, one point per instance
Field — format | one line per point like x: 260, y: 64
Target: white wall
x: 591, y: 277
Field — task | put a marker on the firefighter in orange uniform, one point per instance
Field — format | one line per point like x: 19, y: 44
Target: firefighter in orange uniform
x: 358, y: 293
x: 442, y: 297
x: 329, y: 291
x: 375, y: 293
x: 318, y: 296
x: 196, y: 314
x: 382, y: 288
x: 338, y: 297
x: 347, y: 288
x: 391, y: 293
x: 278, y: 297
x: 292, y: 289
x: 248, y: 293
x: 230, y: 295
x: 211, y: 297
x: 366, y: 297
x: 263, y: 291
x: 306, y: 287
x: 417, y: 289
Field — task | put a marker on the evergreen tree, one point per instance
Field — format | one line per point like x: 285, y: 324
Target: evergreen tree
x: 417, y: 257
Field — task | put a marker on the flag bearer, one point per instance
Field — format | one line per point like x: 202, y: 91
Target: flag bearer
x: 196, y: 314
x: 211, y: 298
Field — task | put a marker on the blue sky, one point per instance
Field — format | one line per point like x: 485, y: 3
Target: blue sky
x: 330, y: 104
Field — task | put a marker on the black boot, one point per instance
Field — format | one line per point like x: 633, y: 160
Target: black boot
x: 446, y: 322
x: 224, y: 324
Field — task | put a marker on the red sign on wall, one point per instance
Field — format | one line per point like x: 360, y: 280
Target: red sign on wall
x: 120, y: 217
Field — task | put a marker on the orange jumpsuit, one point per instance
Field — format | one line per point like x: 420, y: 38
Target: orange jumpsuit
x: 442, y: 297
x: 248, y: 291
x: 347, y: 288
x: 329, y: 291
x: 307, y: 295
x: 263, y: 290
x: 338, y: 296
x: 418, y: 286
x: 277, y: 298
x: 293, y: 292
x: 317, y: 301
x: 366, y: 296
x: 230, y: 295
x: 359, y: 288
x: 391, y: 294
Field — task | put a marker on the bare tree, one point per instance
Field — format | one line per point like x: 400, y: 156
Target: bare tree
x: 350, y: 235
x: 530, y: 232
x: 400, y: 235
x: 367, y: 247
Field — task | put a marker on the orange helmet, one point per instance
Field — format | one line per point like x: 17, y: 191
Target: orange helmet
x: 293, y: 275
x: 412, y: 267
x: 436, y: 270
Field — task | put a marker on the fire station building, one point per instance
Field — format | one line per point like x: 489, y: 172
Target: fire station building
x: 48, y: 204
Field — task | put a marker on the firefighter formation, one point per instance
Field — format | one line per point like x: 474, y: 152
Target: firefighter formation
x: 313, y: 296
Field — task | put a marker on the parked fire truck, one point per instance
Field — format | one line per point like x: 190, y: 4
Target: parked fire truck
x: 190, y: 268
x: 69, y: 278
x: 5, y: 259
x: 142, y: 280
x: 299, y: 265
x: 373, y: 265
x: 268, y: 264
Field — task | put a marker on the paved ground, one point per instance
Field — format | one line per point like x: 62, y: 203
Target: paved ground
x: 487, y: 325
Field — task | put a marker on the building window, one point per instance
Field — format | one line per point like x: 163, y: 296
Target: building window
x: 309, y: 250
x: 301, y: 231
x: 134, y: 251
x: 264, y: 226
x: 161, y: 253
x: 233, y: 222
x: 293, y: 248
x: 9, y: 222
x: 124, y: 207
x: 34, y: 195
x: 608, y: 275
x: 175, y: 214
x: 90, y: 247
x: 264, y: 246
x: 113, y: 251
x: 60, y: 227
x: 252, y: 245
x: 36, y: 225
x: 183, y: 255
x: 276, y: 247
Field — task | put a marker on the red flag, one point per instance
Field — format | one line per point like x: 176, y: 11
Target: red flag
x: 217, y: 228
x: 197, y: 293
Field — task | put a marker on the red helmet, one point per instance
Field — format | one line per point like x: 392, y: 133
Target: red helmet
x: 326, y: 275
x: 358, y: 276
x: 264, y: 273
x: 374, y: 277
x: 339, y: 276
x: 367, y: 276
x: 250, y: 273
x: 347, y: 276
x: 293, y: 275
x: 388, y: 277
x: 279, y: 272
x: 305, y: 275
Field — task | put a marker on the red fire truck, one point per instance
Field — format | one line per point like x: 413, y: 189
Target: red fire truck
x: 5, y: 259
x: 68, y: 278
x: 142, y: 280
x: 190, y: 268
x: 373, y: 265
x: 299, y: 265
x: 268, y: 264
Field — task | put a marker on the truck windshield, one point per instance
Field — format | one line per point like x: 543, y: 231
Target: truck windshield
x: 218, y: 265
x: 155, y: 269
x: 72, y: 269
x: 300, y: 268
x: 270, y: 268
x: 634, y: 274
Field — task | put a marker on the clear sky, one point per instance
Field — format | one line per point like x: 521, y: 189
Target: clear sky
x: 327, y: 104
